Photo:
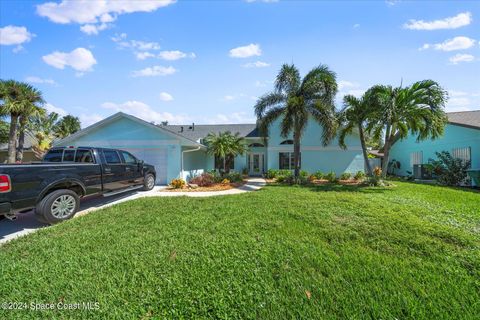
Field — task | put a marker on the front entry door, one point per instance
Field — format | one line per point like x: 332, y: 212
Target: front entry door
x: 255, y: 164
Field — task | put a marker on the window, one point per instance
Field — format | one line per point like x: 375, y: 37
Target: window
x: 255, y: 145
x: 228, y: 163
x: 287, y: 142
x: 462, y: 153
x: 111, y: 156
x: 416, y: 158
x: 286, y: 160
x: 128, y: 158
x: 68, y: 155
x: 83, y: 156
x: 54, y: 155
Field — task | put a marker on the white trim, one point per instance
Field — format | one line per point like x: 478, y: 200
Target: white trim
x: 315, y: 148
x: 124, y: 143
x: 118, y: 115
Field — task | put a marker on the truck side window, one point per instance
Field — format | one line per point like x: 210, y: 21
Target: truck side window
x: 111, y: 156
x: 68, y: 155
x: 129, y: 159
x: 84, y: 156
x: 54, y: 155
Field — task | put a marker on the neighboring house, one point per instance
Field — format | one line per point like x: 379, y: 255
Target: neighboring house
x: 28, y: 155
x: 178, y: 150
x: 461, y: 139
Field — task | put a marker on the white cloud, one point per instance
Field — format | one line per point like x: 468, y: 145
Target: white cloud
x: 246, y: 51
x: 462, y: 101
x: 137, y: 45
x: 454, y: 93
x: 392, y: 3
x: 51, y: 108
x: 256, y: 64
x: 93, y: 28
x: 460, y: 20
x: 457, y: 43
x: 80, y: 59
x: 342, y: 84
x: 89, y: 119
x: 95, y: 13
x: 33, y: 79
x: 165, y: 96
x: 154, y: 71
x: 175, y: 55
x: 461, y: 57
x: 235, y: 117
x: 13, y: 35
x: 145, y: 112
x: 144, y: 55
x: 262, y: 84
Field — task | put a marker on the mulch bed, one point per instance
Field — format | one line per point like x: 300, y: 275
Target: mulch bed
x: 214, y: 187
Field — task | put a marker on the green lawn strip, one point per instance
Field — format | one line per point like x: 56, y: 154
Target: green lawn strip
x: 359, y: 252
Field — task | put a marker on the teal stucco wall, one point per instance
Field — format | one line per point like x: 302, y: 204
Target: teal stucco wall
x: 315, y: 156
x: 455, y: 136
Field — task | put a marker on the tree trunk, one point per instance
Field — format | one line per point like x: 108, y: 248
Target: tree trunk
x: 21, y: 139
x: 386, y: 151
x: 12, y: 139
x: 225, y: 164
x: 296, y: 155
x: 364, y: 150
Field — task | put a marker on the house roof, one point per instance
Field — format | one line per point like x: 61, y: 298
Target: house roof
x: 196, y: 132
x: 29, y: 141
x: 469, y: 119
x: 185, y: 140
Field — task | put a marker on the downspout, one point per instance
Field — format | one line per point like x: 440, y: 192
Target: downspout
x: 183, y: 151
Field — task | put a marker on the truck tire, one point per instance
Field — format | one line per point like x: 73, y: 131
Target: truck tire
x: 148, y: 182
x: 58, y: 206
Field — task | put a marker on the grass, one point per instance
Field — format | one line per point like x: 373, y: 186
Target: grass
x: 326, y: 252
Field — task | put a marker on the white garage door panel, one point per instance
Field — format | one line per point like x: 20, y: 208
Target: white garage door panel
x: 156, y: 157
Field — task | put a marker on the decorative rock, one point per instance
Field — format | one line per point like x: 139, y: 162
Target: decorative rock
x: 193, y: 185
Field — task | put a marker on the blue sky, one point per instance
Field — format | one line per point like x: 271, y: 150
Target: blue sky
x: 207, y: 62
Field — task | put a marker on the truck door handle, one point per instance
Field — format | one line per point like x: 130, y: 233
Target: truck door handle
x: 108, y: 170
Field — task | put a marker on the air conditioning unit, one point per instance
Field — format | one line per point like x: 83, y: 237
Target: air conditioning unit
x: 421, y: 173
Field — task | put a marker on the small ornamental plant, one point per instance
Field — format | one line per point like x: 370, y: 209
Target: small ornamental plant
x: 225, y: 181
x: 346, y: 176
x: 177, y: 183
x: 359, y: 176
x: 331, y: 177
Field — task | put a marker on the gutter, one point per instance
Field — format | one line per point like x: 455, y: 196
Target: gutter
x: 184, y: 151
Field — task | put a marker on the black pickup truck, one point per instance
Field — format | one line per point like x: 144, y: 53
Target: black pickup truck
x: 54, y: 186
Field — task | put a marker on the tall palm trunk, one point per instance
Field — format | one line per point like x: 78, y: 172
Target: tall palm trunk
x: 225, y: 164
x: 296, y: 154
x: 21, y: 138
x: 12, y: 138
x: 386, y: 150
x: 364, y: 149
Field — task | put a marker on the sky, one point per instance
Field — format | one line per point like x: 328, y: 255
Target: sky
x: 208, y: 61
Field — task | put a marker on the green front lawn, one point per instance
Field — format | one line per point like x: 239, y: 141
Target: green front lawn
x: 404, y: 252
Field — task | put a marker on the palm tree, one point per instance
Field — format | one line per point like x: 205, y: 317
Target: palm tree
x: 31, y: 99
x: 417, y: 109
x: 225, y: 144
x: 66, y: 126
x: 354, y: 115
x: 10, y: 95
x: 43, y: 130
x: 295, y: 100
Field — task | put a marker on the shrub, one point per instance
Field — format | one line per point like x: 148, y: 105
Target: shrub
x: 177, y: 183
x: 311, y: 177
x: 346, y: 176
x: 303, y: 173
x: 319, y: 175
x: 272, y: 174
x: 233, y: 177
x: 360, y: 175
x: 331, y: 176
x: 285, y: 172
x: 204, y: 180
x: 281, y: 179
x: 225, y: 181
x: 449, y: 170
x: 377, y: 171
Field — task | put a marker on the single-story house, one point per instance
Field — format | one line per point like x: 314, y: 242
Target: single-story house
x: 28, y: 155
x: 179, y: 151
x: 461, y: 138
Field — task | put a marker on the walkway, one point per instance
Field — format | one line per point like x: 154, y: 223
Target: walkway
x: 26, y: 222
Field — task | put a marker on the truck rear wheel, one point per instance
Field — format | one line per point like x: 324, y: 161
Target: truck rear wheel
x: 148, y: 182
x: 58, y: 206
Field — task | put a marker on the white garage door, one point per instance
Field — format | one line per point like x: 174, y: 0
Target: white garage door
x: 156, y: 157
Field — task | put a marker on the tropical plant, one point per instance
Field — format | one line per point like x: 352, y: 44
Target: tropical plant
x: 32, y: 101
x: 4, y: 131
x: 449, y: 170
x: 331, y: 177
x: 318, y: 175
x: 355, y: 115
x: 360, y: 175
x: 204, y: 180
x: 224, y: 145
x: 66, y: 126
x: 417, y: 109
x: 295, y: 100
x: 346, y: 176
x: 177, y: 183
x: 43, y: 130
x: 10, y: 97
